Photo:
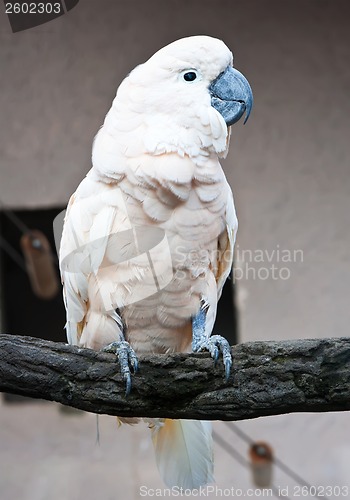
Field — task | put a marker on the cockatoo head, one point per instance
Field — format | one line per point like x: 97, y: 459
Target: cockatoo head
x: 182, y: 100
x: 195, y: 71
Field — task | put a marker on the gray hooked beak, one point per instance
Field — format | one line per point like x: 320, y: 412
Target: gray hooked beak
x: 231, y: 95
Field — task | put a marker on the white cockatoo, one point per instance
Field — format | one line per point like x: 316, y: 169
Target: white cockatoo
x: 149, y: 233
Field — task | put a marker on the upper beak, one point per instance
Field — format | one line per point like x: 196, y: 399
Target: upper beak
x: 231, y: 95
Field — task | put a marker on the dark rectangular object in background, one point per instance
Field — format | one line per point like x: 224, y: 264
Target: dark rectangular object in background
x: 23, y: 313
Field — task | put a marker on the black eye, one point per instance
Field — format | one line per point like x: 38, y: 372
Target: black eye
x: 190, y: 76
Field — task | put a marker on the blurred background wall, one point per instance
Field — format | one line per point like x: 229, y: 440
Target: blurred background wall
x: 289, y: 167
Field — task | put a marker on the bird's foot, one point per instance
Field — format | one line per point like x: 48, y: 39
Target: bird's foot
x: 127, y: 360
x: 216, y: 344
x: 213, y: 344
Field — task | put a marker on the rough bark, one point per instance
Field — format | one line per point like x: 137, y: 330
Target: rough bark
x: 267, y: 378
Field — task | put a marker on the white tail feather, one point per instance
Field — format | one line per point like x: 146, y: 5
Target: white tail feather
x: 184, y: 452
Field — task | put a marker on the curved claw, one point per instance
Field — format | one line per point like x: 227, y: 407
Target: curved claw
x: 215, y: 353
x: 127, y: 358
x: 214, y: 345
x: 228, y: 364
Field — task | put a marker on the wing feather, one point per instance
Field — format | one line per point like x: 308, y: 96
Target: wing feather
x: 226, y: 244
x: 88, y: 224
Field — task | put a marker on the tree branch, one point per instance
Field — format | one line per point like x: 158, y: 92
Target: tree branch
x: 268, y: 378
